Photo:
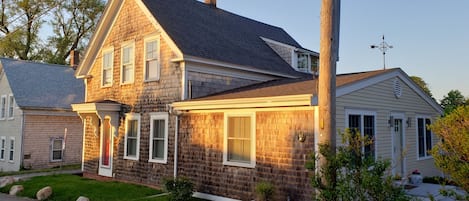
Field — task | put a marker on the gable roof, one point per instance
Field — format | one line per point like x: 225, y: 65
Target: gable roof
x: 203, y: 31
x: 42, y: 86
x: 282, y: 92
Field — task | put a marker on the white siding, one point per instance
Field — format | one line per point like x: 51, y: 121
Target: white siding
x: 380, y: 98
x: 10, y: 128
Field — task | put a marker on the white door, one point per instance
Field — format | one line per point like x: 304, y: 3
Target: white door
x: 106, y: 144
x: 398, y: 148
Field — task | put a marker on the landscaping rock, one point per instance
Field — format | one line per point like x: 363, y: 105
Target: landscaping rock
x: 83, y: 198
x: 4, y: 181
x: 16, y: 189
x: 44, y: 193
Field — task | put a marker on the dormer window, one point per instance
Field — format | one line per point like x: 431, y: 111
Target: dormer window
x: 306, y: 62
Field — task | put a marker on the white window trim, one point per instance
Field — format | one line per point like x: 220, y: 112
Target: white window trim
x: 132, y: 116
x: 159, y: 116
x: 363, y: 113
x: 427, y: 156
x: 4, y: 148
x: 52, y: 149
x: 149, y: 39
x: 11, y: 105
x: 252, y: 163
x: 132, y: 57
x: 105, y: 51
x: 11, y: 150
x: 3, y: 97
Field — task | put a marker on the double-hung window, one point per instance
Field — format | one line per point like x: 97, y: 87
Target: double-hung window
x: 132, y: 136
x: 152, y: 66
x: 364, y: 123
x: 158, y: 137
x: 127, y: 63
x: 12, y: 149
x: 239, y: 139
x: 3, y: 112
x: 3, y: 145
x: 56, y: 152
x: 424, y: 138
x: 11, y: 106
x: 107, y: 68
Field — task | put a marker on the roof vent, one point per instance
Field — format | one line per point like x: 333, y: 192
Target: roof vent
x: 211, y: 2
x: 397, y: 88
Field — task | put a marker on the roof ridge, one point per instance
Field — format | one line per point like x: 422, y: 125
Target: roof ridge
x: 35, y: 62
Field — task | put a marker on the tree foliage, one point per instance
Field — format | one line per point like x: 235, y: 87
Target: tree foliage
x: 350, y: 174
x: 422, y: 84
x: 451, y: 154
x: 71, y: 23
x: 452, y: 100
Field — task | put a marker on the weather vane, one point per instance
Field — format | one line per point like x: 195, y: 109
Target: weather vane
x: 383, y: 47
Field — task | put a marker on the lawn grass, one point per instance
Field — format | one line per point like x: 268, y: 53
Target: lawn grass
x: 70, y: 187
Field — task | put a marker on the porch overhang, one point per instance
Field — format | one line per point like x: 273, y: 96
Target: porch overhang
x: 97, y: 112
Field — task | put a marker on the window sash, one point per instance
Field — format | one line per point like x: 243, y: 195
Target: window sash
x: 127, y: 64
x: 2, y: 149
x: 107, y: 68
x: 11, y: 103
x: 239, y: 139
x: 151, y: 60
x: 12, y: 149
x: 365, y: 124
x: 158, y: 137
x: 131, y: 137
x: 57, y: 152
x: 424, y: 137
x: 4, y: 107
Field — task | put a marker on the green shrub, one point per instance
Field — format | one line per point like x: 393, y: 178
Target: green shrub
x: 180, y: 189
x: 265, y: 190
x: 350, y: 174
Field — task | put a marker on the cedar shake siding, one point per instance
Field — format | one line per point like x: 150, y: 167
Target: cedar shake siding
x: 39, y: 130
x: 203, y: 84
x: 280, y: 157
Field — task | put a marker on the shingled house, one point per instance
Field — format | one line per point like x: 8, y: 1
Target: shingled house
x: 183, y: 88
x: 36, y: 119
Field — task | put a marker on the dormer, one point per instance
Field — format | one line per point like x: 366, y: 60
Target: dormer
x: 302, y: 60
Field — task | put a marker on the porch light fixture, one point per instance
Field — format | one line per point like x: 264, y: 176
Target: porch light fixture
x: 391, y: 121
x: 301, y: 136
x: 409, y: 122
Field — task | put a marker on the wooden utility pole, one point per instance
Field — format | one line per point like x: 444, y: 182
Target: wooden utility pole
x: 329, y: 48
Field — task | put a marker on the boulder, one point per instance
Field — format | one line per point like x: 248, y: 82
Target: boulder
x: 16, y: 189
x: 44, y: 193
x: 4, y: 181
x: 83, y: 198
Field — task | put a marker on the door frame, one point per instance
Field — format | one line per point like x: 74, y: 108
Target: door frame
x: 398, y: 115
x: 106, y: 170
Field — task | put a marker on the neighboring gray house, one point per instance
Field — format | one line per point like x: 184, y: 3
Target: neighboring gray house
x: 36, y: 121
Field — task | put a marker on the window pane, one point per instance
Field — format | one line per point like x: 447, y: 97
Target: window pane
x: 428, y: 136
x: 158, y: 149
x: 126, y: 56
x: 131, y: 147
x: 57, y: 155
x: 152, y: 69
x: 368, y: 130
x: 239, y: 139
x: 354, y: 123
x: 159, y: 127
x: 421, y: 137
x: 151, y: 50
x: 57, y: 145
x: 132, y: 128
x: 2, y: 154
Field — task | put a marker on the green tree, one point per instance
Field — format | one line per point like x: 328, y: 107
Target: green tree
x: 73, y: 29
x: 422, y: 84
x: 451, y: 154
x: 452, y: 100
x: 350, y: 174
x: 71, y: 23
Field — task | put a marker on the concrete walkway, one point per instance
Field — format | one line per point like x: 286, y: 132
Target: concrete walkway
x: 425, y: 190
x: 22, y: 177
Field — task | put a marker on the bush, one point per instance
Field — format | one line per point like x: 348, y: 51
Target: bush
x: 180, y: 189
x: 265, y: 191
x: 350, y: 174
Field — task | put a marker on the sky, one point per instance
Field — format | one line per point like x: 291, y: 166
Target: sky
x: 430, y: 38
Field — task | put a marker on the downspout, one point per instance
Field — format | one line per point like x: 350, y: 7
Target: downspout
x: 22, y: 140
x: 176, y: 146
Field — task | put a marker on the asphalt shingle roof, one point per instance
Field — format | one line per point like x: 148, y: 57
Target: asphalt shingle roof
x: 209, y: 32
x: 39, y: 85
x: 286, y: 87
